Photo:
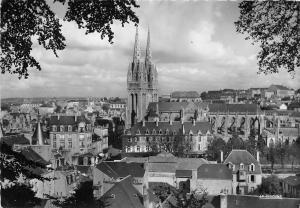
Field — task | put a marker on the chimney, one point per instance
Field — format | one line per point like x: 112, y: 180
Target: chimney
x: 143, y: 122
x: 222, y: 156
x: 257, y: 156
x: 58, y: 117
x: 171, y: 122
x: 75, y: 118
x: 156, y: 122
x: 181, y: 120
x: 194, y: 122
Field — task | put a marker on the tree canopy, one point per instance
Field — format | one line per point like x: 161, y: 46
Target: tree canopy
x: 24, y: 20
x: 275, y: 26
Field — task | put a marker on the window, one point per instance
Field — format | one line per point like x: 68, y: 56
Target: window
x: 62, y: 143
x: 70, y: 143
x: 252, y: 167
x: 153, y: 131
x: 138, y: 148
x: 81, y: 142
x: 147, y: 131
x: 241, y: 166
x: 167, y: 131
x: 129, y: 140
x: 54, y: 144
x: 160, y: 131
x: 199, y: 139
x: 69, y: 128
x: 62, y: 128
x: 199, y: 147
x: 252, y: 178
x: 147, y: 148
x: 54, y: 136
x: 137, y: 139
x: 54, y: 128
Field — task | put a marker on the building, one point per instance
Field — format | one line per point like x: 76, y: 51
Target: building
x: 281, y: 91
x: 123, y: 194
x: 291, y: 186
x: 70, y: 136
x: 185, y: 96
x: 246, y: 171
x: 142, y: 83
x: 161, y: 136
x: 107, y: 174
x: 215, y: 179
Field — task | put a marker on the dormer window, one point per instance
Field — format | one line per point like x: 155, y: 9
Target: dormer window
x: 138, y: 131
x: 167, y: 131
x: 62, y: 128
x: 69, y: 128
x: 242, y: 166
x: 174, y: 132
x: 160, y: 131
x: 153, y: 131
x: 129, y: 140
x: 147, y: 131
x: 54, y: 128
x: 252, y: 167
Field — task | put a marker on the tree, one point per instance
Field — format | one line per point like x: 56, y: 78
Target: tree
x: 214, y: 148
x: 269, y: 186
x: 83, y: 197
x: 18, y: 195
x: 24, y: 20
x: 275, y: 26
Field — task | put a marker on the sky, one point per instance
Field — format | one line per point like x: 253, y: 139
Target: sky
x: 194, y: 45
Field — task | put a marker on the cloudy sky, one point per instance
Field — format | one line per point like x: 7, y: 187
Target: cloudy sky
x: 194, y: 46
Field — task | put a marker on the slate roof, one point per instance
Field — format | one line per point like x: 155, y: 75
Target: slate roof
x: 243, y: 201
x: 123, y: 194
x: 293, y: 181
x: 237, y: 157
x: 31, y: 155
x: 183, y: 173
x: 19, y: 139
x: 176, y: 126
x: 185, y: 94
x: 66, y: 120
x: 190, y: 163
x: 121, y: 169
x: 162, y: 167
x: 278, y: 87
x: 234, y: 108
x: 167, y: 106
x: 214, y: 171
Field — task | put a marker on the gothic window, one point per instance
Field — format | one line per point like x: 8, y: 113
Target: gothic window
x: 160, y: 131
x: 167, y: 131
x: 62, y: 143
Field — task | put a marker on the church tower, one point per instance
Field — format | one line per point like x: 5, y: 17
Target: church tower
x: 141, y: 83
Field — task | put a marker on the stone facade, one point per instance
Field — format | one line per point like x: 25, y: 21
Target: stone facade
x: 142, y: 84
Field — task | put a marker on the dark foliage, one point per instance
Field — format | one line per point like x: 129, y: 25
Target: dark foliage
x: 83, y: 197
x: 18, y: 195
x: 24, y: 20
x: 275, y: 26
x: 269, y: 186
x: 12, y: 164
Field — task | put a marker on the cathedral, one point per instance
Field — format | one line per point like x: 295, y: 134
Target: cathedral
x: 141, y: 83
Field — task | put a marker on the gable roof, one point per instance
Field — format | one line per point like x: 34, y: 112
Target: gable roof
x: 234, y: 108
x: 121, y: 169
x: 185, y: 94
x: 19, y: 139
x: 167, y: 106
x: 176, y: 126
x: 183, y: 173
x: 31, y: 155
x: 67, y: 120
x: 123, y: 194
x: 214, y: 171
x: 238, y: 156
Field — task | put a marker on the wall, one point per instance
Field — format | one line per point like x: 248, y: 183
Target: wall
x: 214, y: 186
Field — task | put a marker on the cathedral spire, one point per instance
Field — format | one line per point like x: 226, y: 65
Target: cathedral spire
x: 136, y: 50
x: 148, y: 51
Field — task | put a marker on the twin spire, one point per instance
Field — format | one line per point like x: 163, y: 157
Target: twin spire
x: 137, y: 50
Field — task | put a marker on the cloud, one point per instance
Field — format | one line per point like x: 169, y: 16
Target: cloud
x: 194, y: 46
